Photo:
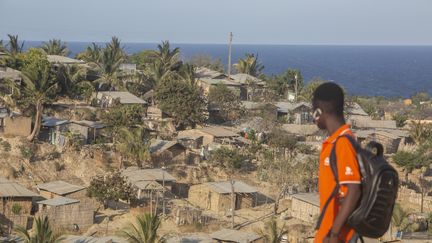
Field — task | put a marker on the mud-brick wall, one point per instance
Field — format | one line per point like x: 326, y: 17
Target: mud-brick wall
x: 65, y: 216
x: 7, y: 217
x: 17, y: 126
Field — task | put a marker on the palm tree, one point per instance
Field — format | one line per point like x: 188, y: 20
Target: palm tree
x: 168, y: 58
x: 187, y: 73
x: 12, y: 51
x: 69, y: 76
x: 145, y: 230
x: 133, y: 144
x: 38, y: 88
x: 420, y: 132
x: 249, y: 65
x: 91, y: 55
x: 42, y: 232
x: 55, y: 47
x: 272, y: 233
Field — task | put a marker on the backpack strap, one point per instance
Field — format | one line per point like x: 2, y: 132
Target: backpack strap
x: 333, y: 166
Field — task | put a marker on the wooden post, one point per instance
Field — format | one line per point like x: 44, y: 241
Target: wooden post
x: 229, y: 55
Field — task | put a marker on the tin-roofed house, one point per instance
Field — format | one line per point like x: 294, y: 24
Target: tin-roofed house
x: 236, y: 236
x: 67, y: 213
x: 297, y: 113
x: 391, y: 139
x: 53, y: 130
x: 255, y: 87
x: 305, y: 206
x: 15, y: 203
x: 62, y: 60
x: 55, y: 189
x: 149, y: 181
x: 218, y: 134
x: 216, y: 196
x: 111, y: 98
x: 165, y: 152
x: 89, y: 131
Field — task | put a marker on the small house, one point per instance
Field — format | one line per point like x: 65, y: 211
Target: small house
x: 165, y: 152
x: 88, y: 130
x: 7, y: 73
x: 365, y: 123
x: 305, y: 207
x: 62, y: 60
x: 355, y: 111
x: 53, y: 130
x: 217, y: 134
x: 149, y: 181
x: 216, y: 196
x: 191, y: 141
x: 238, y: 88
x: 16, y: 203
x: 255, y: 87
x: 67, y: 213
x: 308, y: 133
x: 110, y: 98
x: 391, y: 139
x: 260, y: 108
x: 297, y: 113
x: 236, y: 236
x: 14, y: 124
x: 55, y: 189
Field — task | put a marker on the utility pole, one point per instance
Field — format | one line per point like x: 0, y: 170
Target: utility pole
x: 296, y: 87
x: 229, y: 55
x: 163, y: 191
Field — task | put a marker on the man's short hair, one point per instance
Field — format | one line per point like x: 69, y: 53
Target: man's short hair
x: 330, y: 97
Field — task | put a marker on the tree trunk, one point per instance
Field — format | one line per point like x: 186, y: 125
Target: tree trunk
x: 38, y: 122
x: 281, y: 193
x: 232, y: 203
x: 422, y: 200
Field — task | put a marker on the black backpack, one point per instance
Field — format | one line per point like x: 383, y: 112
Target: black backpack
x: 379, y: 185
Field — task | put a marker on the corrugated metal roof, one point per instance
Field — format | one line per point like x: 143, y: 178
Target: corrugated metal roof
x: 356, y: 109
x: 230, y: 235
x: 212, y: 81
x: 63, y: 60
x: 203, y: 72
x: 92, y: 124
x: 53, y: 121
x: 244, y: 78
x: 225, y: 187
x: 59, y: 187
x: 311, y: 198
x: 135, y: 175
x: 369, y: 123
x: 218, y: 131
x: 90, y: 239
x: 285, y: 107
x: 59, y: 201
x: 161, y: 145
x: 13, y: 189
x: 148, y: 185
x: 125, y: 97
x: 300, y: 129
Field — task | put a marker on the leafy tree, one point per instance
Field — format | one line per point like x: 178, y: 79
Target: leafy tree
x: 55, y: 47
x: 41, y: 233
x: 249, y: 65
x: 306, y: 93
x: 290, y: 80
x: 420, y: 97
x: 226, y: 100
x: 181, y: 101
x: 400, y: 118
x: 133, y: 144
x: 111, y: 187
x: 203, y: 60
x: 143, y: 59
x: 280, y: 139
x: 231, y: 161
x: 272, y: 232
x: 145, y: 230
x: 38, y: 88
x: 123, y: 116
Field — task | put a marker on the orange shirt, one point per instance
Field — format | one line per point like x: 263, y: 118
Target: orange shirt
x: 348, y: 171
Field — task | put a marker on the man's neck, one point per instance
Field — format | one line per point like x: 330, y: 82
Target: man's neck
x: 334, y: 124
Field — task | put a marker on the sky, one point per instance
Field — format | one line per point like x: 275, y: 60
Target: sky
x: 334, y: 22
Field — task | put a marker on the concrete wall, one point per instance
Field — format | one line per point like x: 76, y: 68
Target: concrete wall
x: 65, y: 216
x: 17, y: 126
x: 303, y: 210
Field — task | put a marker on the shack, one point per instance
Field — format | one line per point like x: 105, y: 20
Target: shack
x: 216, y: 196
x: 229, y: 235
x: 218, y: 134
x: 110, y: 98
x: 88, y: 130
x: 14, y: 124
x: 67, y: 213
x: 305, y: 206
x: 55, y: 189
x: 149, y: 181
x: 53, y: 129
x: 165, y: 152
x: 15, y: 203
x: 296, y: 113
x: 308, y: 133
x: 390, y: 139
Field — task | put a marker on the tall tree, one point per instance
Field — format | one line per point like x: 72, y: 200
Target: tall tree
x: 144, y: 230
x: 226, y: 100
x: 249, y: 65
x: 169, y: 58
x: 69, y: 77
x: 133, y: 144
x: 13, y: 50
x: 55, y: 47
x: 38, y: 88
x: 181, y: 101
x: 92, y: 54
x: 307, y: 92
x: 41, y: 233
x: 290, y: 80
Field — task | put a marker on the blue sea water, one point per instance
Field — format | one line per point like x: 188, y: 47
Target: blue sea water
x: 390, y: 71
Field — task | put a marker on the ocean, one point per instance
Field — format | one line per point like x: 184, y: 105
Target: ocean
x: 389, y: 71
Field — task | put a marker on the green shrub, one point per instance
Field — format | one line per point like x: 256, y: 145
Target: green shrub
x: 6, y: 146
x: 16, y: 208
x: 59, y: 167
x: 27, y: 152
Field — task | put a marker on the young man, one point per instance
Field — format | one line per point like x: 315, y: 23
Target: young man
x: 328, y: 106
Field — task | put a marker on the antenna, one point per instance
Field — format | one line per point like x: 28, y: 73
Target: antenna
x: 229, y: 55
